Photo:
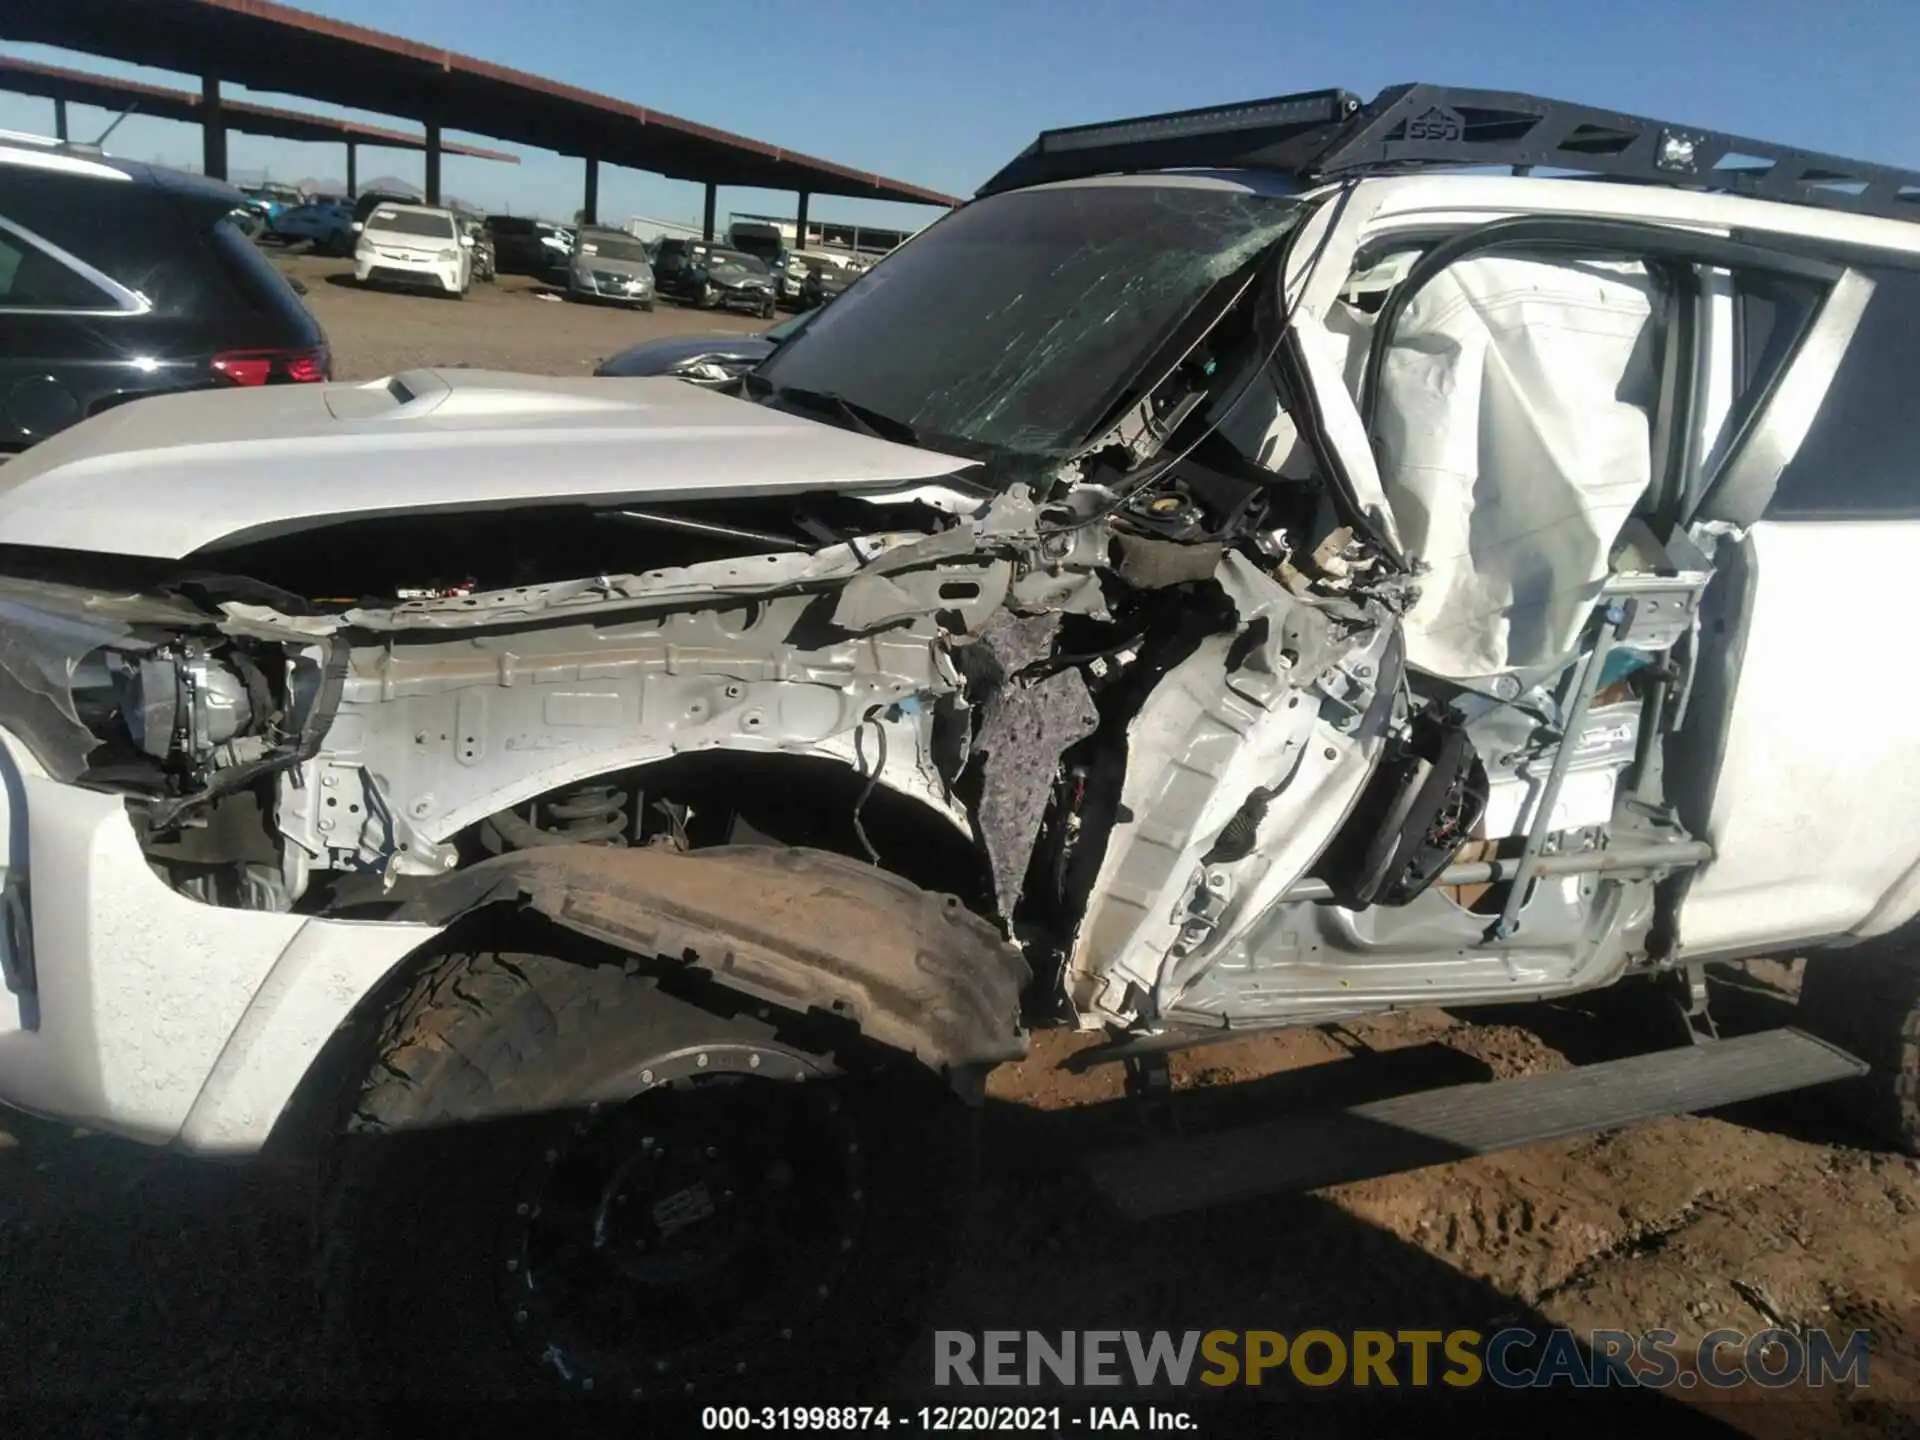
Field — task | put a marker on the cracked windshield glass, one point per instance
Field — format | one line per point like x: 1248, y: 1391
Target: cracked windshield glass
x: 1016, y: 322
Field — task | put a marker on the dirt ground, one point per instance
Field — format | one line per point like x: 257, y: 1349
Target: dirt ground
x: 515, y: 323
x: 135, y: 1279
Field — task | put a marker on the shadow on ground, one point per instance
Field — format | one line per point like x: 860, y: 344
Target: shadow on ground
x: 131, y: 1279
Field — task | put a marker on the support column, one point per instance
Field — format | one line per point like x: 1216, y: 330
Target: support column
x: 59, y: 119
x: 706, y: 220
x: 353, y: 170
x: 590, y: 212
x: 433, y: 162
x: 800, y: 223
x: 213, y: 129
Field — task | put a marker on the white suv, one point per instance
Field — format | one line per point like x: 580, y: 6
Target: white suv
x: 1232, y: 574
x: 414, y: 245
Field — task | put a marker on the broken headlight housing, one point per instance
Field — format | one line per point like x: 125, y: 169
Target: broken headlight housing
x: 122, y: 691
x: 182, y: 707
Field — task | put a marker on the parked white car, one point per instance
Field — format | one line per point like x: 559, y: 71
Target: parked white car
x: 1231, y: 574
x: 414, y: 245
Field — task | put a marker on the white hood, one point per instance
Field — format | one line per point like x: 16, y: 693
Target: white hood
x: 169, y: 476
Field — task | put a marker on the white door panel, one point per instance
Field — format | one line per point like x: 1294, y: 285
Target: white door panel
x: 1816, y: 814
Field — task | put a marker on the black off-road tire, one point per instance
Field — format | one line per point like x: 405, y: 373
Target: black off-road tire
x: 490, y: 1065
x: 1866, y: 999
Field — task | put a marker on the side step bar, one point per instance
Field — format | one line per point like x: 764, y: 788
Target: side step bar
x: 1305, y: 1152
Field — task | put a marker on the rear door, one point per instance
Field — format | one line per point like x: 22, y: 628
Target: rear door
x: 1811, y: 777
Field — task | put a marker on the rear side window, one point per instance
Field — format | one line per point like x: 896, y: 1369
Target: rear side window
x: 33, y: 279
x: 1861, y: 456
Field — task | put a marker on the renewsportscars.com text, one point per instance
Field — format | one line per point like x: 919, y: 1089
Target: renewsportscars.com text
x: 1513, y: 1358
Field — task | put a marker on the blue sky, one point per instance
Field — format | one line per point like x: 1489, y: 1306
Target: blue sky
x: 943, y: 93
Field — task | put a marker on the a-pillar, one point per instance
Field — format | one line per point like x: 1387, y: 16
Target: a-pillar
x: 706, y: 218
x: 590, y: 212
x: 353, y: 170
x: 59, y: 119
x: 800, y: 223
x: 213, y: 129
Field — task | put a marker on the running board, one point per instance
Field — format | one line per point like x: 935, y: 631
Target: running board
x: 1432, y: 1127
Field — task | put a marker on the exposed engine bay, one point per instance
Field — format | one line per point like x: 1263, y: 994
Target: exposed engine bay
x: 1161, y: 710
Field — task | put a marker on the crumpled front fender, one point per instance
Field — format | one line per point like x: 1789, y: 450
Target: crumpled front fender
x: 807, y: 930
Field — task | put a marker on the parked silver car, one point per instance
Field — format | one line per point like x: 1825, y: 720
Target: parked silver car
x: 610, y: 265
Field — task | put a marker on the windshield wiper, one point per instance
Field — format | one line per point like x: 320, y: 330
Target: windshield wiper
x: 859, y: 417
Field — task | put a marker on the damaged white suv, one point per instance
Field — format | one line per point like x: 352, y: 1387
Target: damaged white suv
x: 1228, y: 575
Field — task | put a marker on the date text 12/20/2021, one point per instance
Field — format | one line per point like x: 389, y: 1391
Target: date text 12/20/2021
x: 947, y: 1419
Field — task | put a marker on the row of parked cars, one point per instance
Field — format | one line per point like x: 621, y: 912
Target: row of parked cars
x: 393, y: 240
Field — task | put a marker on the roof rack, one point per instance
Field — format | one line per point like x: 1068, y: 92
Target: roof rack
x: 1328, y: 134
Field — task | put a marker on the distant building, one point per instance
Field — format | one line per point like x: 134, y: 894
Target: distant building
x: 646, y: 228
x: 868, y: 241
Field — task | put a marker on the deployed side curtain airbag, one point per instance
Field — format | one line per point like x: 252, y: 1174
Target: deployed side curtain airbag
x: 1514, y: 434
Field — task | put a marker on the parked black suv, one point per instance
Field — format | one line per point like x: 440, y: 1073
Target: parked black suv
x: 119, y: 280
x: 525, y: 246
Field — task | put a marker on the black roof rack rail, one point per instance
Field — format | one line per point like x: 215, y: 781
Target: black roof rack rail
x: 1328, y: 134
x: 1283, y: 133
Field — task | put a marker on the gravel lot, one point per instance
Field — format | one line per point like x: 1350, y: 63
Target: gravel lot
x: 134, y: 1279
x: 515, y: 323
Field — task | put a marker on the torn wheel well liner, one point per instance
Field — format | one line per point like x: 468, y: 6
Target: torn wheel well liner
x: 803, y: 929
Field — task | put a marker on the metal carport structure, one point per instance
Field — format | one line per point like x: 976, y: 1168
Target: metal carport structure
x: 75, y: 87
x: 276, y: 48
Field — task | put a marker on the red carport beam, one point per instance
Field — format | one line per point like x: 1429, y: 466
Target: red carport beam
x: 275, y: 48
x: 157, y: 102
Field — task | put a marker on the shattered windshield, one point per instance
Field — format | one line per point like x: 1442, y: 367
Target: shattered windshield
x: 1016, y: 322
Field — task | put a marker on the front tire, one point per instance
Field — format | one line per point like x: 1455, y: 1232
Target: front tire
x: 1866, y: 999
x: 558, y: 1177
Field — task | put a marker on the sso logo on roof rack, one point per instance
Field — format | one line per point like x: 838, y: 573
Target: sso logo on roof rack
x: 1438, y: 124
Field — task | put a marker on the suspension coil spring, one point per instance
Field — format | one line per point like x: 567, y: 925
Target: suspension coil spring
x: 587, y: 815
